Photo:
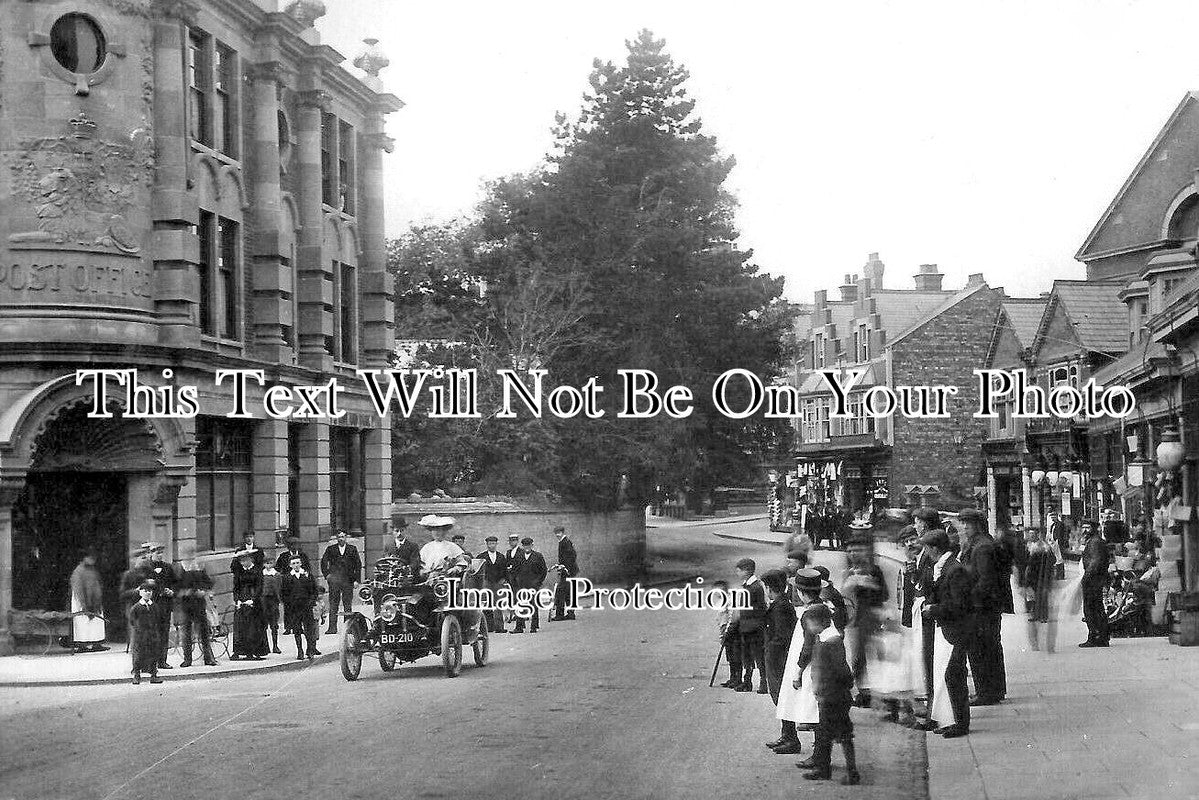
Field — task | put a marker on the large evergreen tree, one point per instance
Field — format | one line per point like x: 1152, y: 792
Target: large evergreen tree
x: 631, y: 213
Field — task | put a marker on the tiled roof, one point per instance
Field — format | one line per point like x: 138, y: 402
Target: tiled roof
x: 1100, y: 320
x: 937, y: 310
x: 1025, y: 317
x: 899, y: 309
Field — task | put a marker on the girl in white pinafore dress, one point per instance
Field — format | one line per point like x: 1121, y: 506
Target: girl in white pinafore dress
x: 798, y: 705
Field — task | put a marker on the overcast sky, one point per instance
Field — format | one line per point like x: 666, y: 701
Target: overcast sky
x: 983, y: 137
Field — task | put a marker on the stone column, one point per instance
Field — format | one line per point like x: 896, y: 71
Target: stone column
x: 316, y: 272
x: 378, y: 285
x: 270, y: 479
x: 176, y: 249
x: 314, y: 485
x: 272, y: 279
x: 378, y: 489
x: 10, y: 488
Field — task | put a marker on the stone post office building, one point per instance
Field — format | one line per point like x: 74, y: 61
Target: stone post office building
x: 188, y: 186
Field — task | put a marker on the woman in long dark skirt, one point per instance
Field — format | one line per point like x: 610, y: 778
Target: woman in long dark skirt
x: 249, y: 624
x: 1036, y: 580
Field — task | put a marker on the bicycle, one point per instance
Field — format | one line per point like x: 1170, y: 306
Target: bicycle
x: 218, y: 635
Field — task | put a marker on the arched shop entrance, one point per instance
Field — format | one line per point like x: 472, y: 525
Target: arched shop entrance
x: 71, y: 482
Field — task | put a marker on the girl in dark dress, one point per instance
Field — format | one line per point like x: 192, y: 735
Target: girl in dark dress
x: 1036, y: 580
x: 249, y: 624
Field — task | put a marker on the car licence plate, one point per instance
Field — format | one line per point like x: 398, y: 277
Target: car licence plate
x: 398, y: 638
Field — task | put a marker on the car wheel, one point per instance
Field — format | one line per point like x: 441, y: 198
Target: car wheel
x: 451, y: 645
x: 351, y: 659
x: 387, y: 661
x: 482, y: 643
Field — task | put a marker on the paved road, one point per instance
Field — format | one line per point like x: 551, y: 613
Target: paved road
x: 615, y: 705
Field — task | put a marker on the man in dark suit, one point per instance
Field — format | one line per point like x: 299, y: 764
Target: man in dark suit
x: 404, y: 549
x: 568, y: 568
x: 950, y: 605
x: 341, y: 567
x: 982, y: 557
x: 1095, y: 561
x: 751, y: 623
x: 495, y: 573
x: 527, y: 571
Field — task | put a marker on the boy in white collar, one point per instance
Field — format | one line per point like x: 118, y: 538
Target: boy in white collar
x: 144, y: 644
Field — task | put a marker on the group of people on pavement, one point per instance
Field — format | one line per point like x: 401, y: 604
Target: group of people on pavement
x: 821, y: 649
x: 158, y: 594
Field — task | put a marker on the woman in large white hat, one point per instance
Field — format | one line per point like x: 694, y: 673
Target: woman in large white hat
x: 434, y: 553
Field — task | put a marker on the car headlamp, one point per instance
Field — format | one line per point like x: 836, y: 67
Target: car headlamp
x: 389, y: 611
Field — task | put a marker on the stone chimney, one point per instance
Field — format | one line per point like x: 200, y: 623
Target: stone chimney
x: 849, y: 289
x: 874, y: 271
x: 929, y: 278
x: 820, y: 299
x: 975, y: 279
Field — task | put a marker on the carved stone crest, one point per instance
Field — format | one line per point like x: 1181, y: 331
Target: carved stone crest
x: 81, y: 187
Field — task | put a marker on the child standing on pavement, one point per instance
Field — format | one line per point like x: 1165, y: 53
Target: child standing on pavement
x: 730, y: 639
x: 271, y: 594
x: 833, y: 684
x: 144, y: 642
x: 780, y: 625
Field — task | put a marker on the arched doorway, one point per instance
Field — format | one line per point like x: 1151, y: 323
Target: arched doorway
x: 77, y: 495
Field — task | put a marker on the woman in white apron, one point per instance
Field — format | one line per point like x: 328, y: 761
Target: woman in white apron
x: 87, y: 612
x: 798, y: 705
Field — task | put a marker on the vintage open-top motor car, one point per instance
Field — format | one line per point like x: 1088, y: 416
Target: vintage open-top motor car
x: 413, y: 618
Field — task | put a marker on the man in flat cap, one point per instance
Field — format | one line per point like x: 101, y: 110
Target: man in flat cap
x: 495, y: 574
x: 981, y: 556
x: 528, y: 571
x: 949, y: 605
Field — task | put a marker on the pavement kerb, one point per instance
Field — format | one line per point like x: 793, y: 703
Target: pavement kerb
x: 177, y: 674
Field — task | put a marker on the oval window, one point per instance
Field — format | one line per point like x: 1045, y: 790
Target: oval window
x: 77, y: 43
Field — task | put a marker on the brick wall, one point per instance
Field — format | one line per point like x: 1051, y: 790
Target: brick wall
x: 946, y: 350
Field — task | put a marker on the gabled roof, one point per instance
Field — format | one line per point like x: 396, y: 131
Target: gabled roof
x: 1023, y: 316
x: 1095, y: 312
x: 1146, y: 159
x: 940, y: 309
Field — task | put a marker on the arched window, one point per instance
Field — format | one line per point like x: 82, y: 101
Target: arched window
x: 1184, y: 223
